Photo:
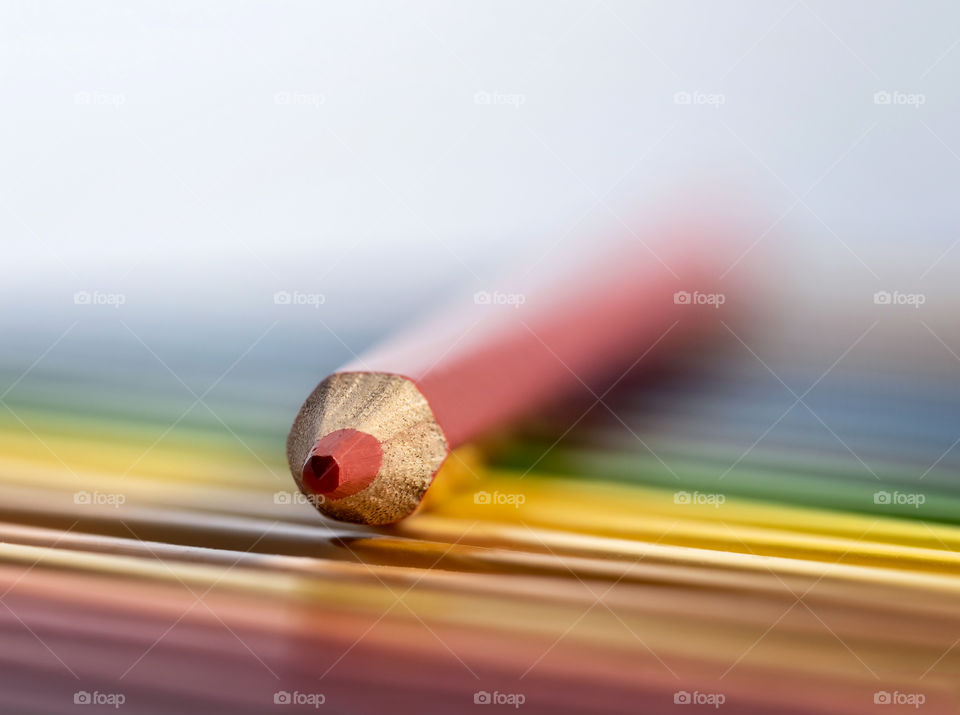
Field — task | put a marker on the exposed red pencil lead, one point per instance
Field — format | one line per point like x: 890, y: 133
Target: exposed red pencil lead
x: 342, y: 463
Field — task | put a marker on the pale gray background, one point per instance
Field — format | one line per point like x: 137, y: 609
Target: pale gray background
x: 150, y: 149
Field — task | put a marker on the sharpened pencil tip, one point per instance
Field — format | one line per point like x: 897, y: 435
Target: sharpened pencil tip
x: 342, y: 463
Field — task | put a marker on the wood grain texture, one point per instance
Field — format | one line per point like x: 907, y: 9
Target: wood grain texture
x: 391, y: 409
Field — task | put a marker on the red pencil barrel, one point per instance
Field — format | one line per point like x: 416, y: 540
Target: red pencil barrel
x: 506, y: 354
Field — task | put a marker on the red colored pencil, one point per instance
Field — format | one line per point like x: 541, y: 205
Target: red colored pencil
x: 371, y: 436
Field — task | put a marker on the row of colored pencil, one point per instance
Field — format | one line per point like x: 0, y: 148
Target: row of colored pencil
x: 135, y: 556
